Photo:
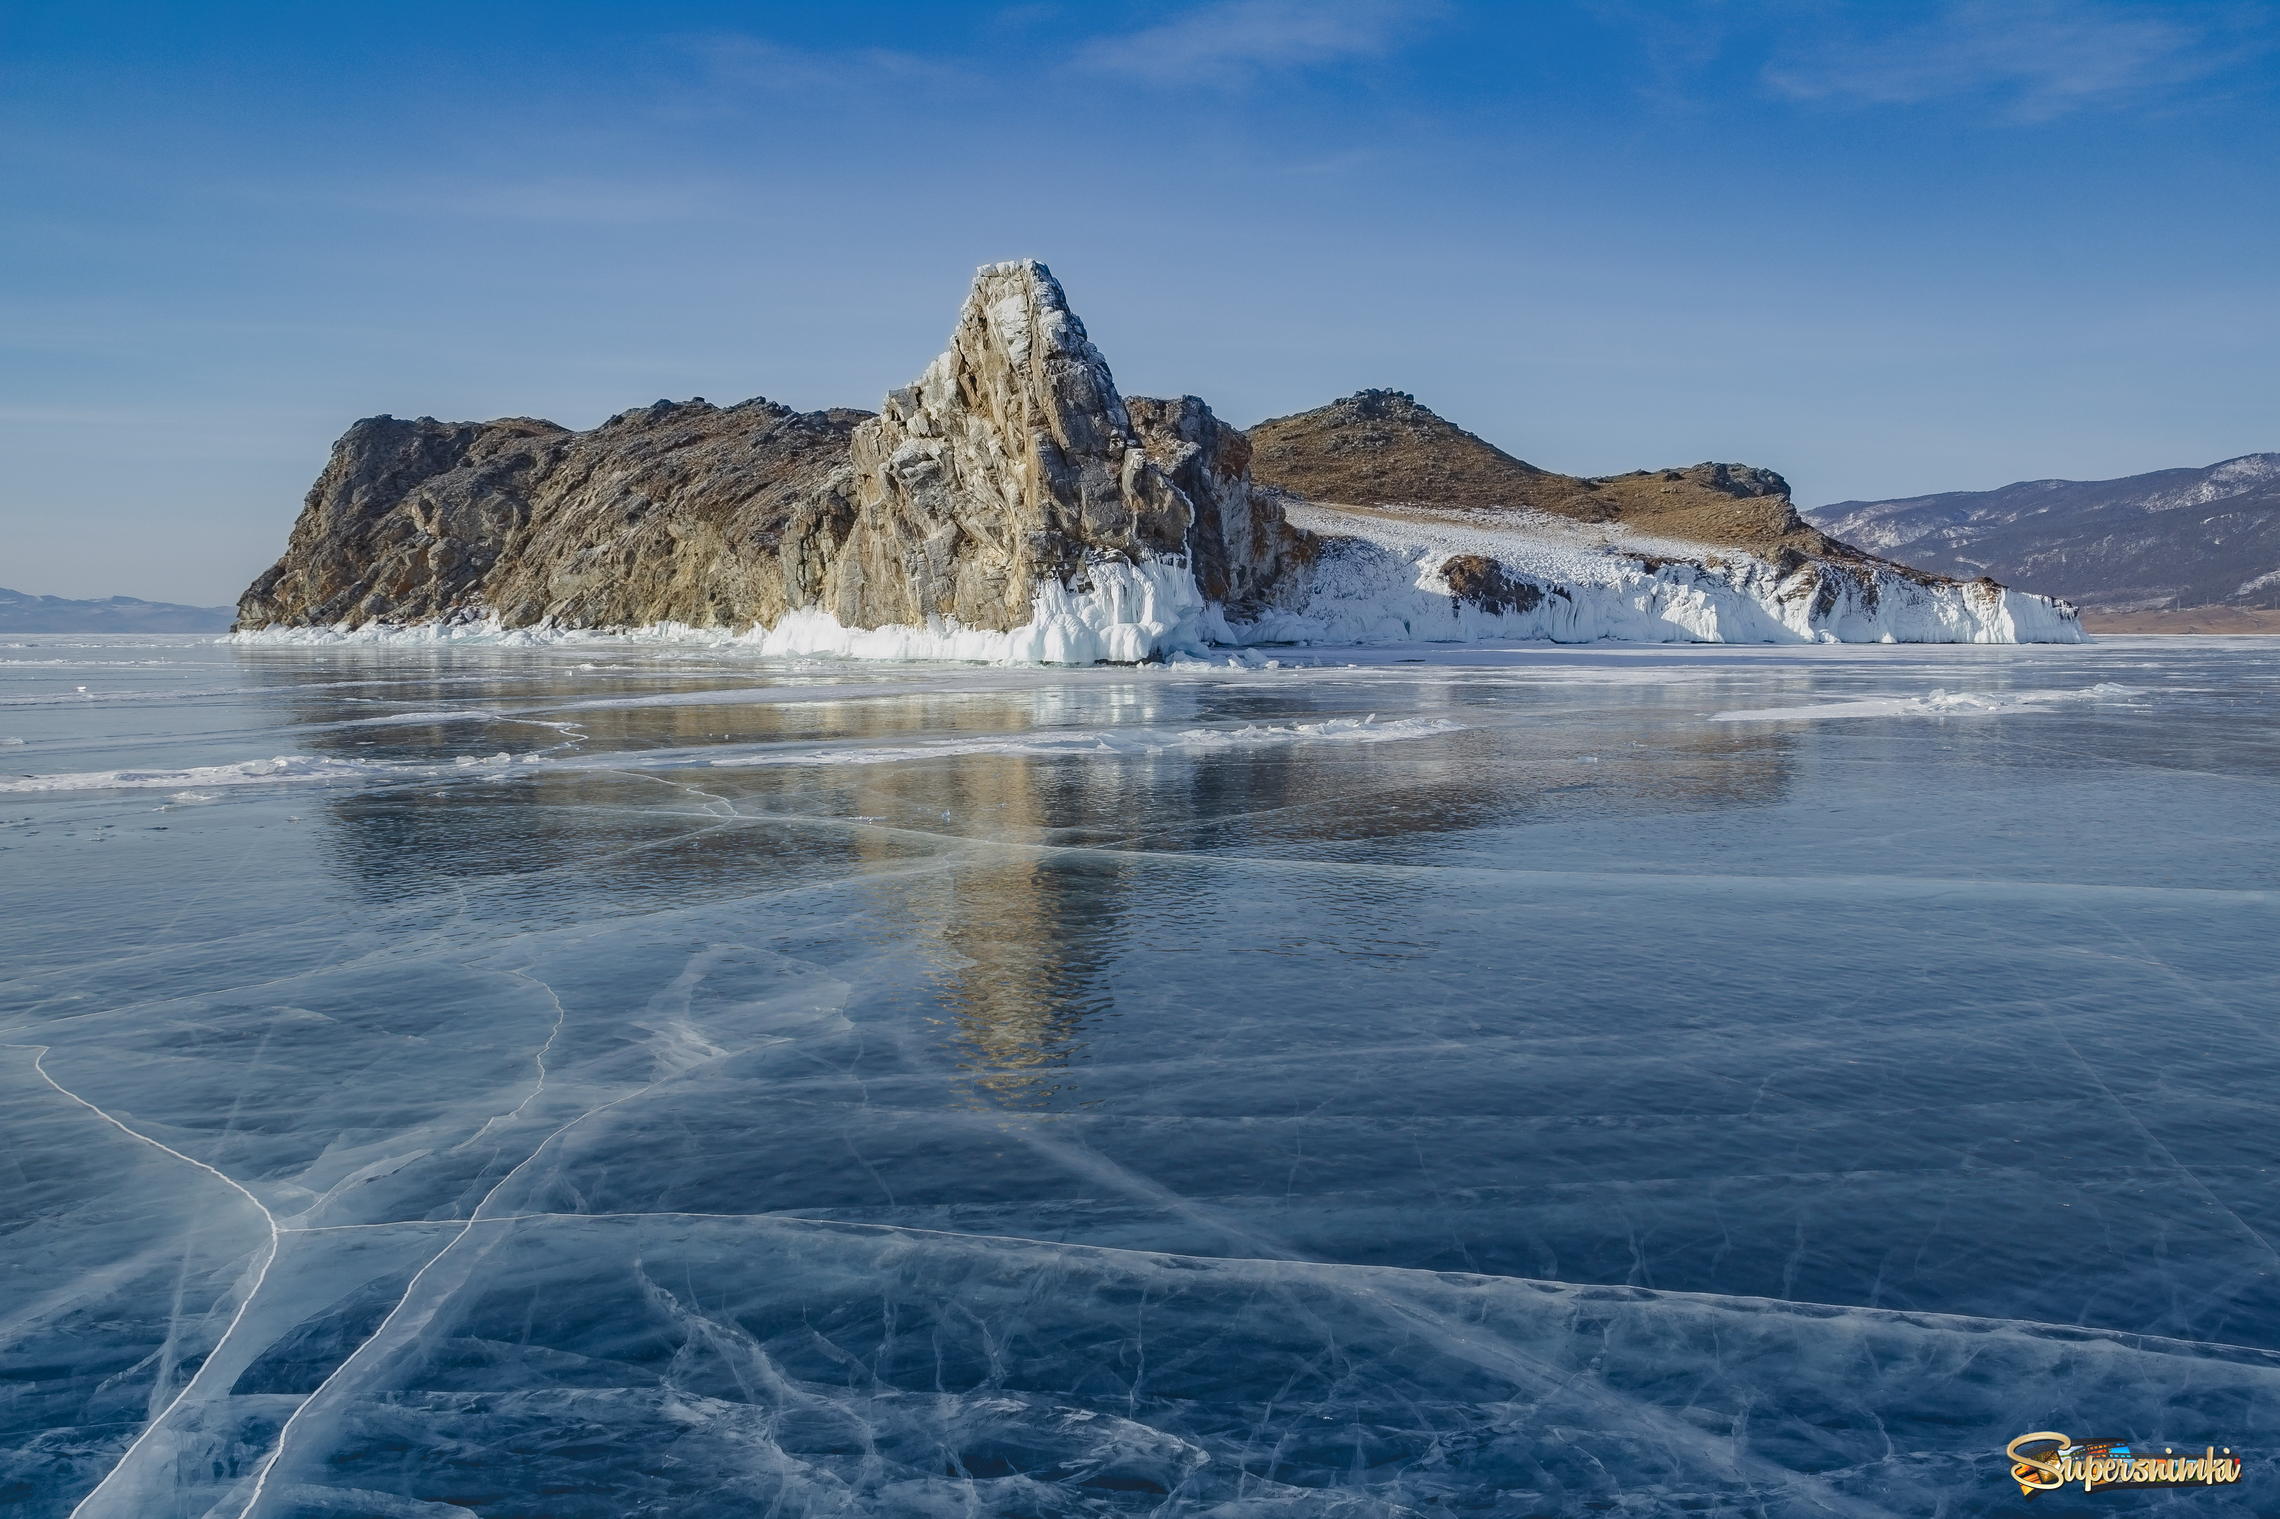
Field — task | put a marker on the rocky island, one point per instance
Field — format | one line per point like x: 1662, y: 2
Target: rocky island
x: 1012, y: 505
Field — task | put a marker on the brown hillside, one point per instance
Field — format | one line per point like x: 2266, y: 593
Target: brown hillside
x: 1379, y: 448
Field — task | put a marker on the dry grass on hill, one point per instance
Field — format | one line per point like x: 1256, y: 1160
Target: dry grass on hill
x: 1381, y: 448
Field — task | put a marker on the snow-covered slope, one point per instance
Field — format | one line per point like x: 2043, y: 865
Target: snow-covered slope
x: 1385, y: 576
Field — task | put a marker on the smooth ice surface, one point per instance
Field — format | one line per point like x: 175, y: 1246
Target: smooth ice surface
x: 589, y: 1081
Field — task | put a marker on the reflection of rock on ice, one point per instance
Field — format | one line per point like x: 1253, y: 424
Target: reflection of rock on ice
x: 1017, y: 940
x: 1021, y: 963
x: 1020, y: 940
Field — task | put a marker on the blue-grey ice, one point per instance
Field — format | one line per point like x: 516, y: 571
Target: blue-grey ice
x: 578, y: 1082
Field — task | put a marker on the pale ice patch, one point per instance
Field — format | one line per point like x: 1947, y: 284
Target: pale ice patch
x: 392, y: 719
x: 1114, y: 741
x: 121, y: 641
x: 425, y: 719
x: 305, y: 768
x: 79, y: 696
x: 1239, y: 659
x: 280, y: 768
x: 1938, y: 702
x: 818, y: 692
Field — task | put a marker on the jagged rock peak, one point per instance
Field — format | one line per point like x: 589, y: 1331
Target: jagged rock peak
x: 757, y: 408
x: 1742, y: 480
x: 1382, y: 403
x: 1016, y: 334
x: 1021, y: 368
x: 1010, y: 462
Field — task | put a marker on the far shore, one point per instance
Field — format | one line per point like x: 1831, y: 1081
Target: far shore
x: 2185, y: 620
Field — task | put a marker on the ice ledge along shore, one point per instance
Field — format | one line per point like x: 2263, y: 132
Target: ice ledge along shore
x: 1385, y: 589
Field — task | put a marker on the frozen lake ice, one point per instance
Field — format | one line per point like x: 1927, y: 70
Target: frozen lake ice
x: 604, y: 1080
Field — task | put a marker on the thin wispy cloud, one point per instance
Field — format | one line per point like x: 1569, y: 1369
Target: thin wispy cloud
x: 2041, y: 59
x: 1236, y: 41
x: 745, y: 62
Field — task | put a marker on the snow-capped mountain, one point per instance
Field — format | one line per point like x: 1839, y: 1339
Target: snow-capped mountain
x: 2171, y: 539
x: 22, y: 612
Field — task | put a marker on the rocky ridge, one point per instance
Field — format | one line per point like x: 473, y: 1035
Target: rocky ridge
x: 1011, y: 504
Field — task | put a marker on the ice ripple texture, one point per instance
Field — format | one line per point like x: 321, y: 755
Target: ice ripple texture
x: 1524, y: 1082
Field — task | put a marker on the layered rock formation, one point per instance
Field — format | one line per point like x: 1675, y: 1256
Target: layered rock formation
x: 678, y: 512
x: 1012, y: 505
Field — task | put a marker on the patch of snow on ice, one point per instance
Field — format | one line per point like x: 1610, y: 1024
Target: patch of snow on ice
x: 81, y: 695
x: 421, y: 719
x: 1937, y: 703
x: 283, y: 767
x: 1356, y: 730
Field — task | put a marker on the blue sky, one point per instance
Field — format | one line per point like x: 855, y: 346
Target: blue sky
x: 1884, y: 249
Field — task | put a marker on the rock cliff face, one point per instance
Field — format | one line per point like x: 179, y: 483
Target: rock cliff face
x: 678, y: 512
x: 1008, y: 504
x: 1012, y: 505
x: 1010, y: 462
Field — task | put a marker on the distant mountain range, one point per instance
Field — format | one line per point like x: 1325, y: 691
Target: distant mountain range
x: 21, y: 612
x: 2151, y: 551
